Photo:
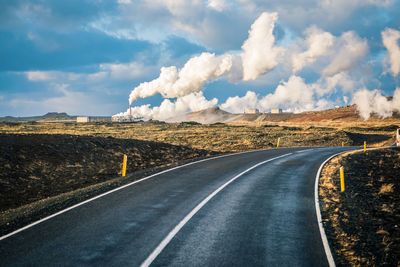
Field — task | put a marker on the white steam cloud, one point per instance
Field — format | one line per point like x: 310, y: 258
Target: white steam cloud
x: 390, y: 38
x: 294, y: 96
x: 259, y: 52
x: 169, y: 109
x: 373, y: 102
x: 191, y: 78
x: 350, y: 49
x: 318, y: 44
x: 334, y: 57
x: 337, y: 54
x: 258, y: 57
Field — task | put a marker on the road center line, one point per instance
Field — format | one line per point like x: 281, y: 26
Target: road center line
x: 119, y: 188
x: 182, y: 223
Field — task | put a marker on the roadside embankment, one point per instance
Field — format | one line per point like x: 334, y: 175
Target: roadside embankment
x: 40, y: 174
x: 363, y: 222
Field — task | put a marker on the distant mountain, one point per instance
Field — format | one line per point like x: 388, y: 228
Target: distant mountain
x: 57, y: 116
x: 51, y: 116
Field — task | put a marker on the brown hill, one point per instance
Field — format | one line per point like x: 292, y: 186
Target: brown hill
x: 206, y: 116
x: 341, y: 114
x: 347, y: 114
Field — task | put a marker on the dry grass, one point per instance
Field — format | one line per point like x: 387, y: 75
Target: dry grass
x: 217, y: 137
x: 386, y: 189
x: 362, y: 223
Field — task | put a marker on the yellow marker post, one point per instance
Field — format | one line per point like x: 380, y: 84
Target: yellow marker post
x: 124, y: 163
x: 279, y: 140
x: 342, y: 144
x: 342, y: 186
x: 365, y: 146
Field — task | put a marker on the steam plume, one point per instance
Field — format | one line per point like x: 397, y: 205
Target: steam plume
x: 191, y: 78
x: 191, y: 102
x: 350, y: 50
x: 293, y: 95
x: 373, y: 102
x: 318, y: 43
x: 390, y: 39
x: 259, y: 53
x: 258, y: 57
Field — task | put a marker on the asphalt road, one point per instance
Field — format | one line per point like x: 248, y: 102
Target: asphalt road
x: 263, y: 217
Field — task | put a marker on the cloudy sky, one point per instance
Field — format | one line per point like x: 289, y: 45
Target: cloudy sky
x: 90, y: 57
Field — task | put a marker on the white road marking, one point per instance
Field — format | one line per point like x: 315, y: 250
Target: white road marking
x: 327, y: 249
x: 117, y: 189
x: 304, y: 150
x: 179, y: 226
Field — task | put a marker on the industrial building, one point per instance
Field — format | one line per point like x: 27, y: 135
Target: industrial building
x: 85, y: 119
x: 251, y: 111
x: 276, y: 111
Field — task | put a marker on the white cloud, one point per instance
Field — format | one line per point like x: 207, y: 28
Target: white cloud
x: 107, y: 71
x: 260, y: 54
x: 328, y: 14
x: 218, y: 5
x: 341, y: 80
x: 318, y: 44
x: 350, y: 49
x: 67, y: 100
x: 39, y: 75
x: 124, y: 2
x: 126, y: 71
x: 198, y: 20
x: 390, y: 38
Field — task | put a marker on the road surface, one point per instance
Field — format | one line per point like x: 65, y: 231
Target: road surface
x: 250, y: 209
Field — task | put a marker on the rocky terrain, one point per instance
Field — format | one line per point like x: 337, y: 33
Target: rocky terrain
x: 38, y: 167
x: 363, y: 223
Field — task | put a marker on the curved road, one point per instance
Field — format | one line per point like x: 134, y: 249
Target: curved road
x: 249, y: 209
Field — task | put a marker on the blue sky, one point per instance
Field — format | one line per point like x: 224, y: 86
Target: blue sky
x: 85, y: 57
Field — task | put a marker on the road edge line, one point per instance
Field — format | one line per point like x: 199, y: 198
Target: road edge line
x: 119, y: 188
x: 325, y: 242
x: 149, y: 260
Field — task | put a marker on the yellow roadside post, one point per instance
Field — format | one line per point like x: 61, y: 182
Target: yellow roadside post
x: 342, y: 186
x: 365, y: 146
x: 124, y: 163
x: 277, y: 143
x: 342, y: 144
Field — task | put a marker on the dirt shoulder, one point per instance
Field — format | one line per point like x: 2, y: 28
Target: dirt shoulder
x: 363, y: 223
x: 41, y: 174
